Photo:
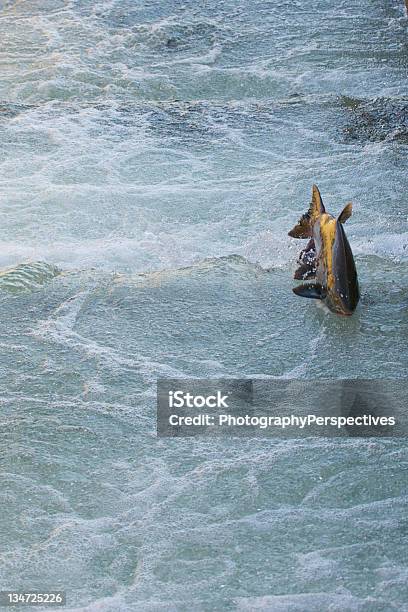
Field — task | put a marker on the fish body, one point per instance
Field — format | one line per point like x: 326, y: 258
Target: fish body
x: 327, y: 260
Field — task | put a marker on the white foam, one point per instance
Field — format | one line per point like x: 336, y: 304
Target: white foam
x: 335, y: 602
x: 60, y: 328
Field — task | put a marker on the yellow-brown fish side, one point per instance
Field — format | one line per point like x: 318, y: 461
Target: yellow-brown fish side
x: 328, y: 236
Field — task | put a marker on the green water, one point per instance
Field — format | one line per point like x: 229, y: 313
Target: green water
x: 152, y: 158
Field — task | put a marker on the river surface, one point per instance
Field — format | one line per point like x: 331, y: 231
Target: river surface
x: 153, y: 156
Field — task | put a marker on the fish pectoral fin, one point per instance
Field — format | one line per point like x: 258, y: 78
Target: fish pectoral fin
x: 315, y: 291
x: 345, y: 213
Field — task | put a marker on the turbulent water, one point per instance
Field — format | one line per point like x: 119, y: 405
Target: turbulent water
x: 153, y: 156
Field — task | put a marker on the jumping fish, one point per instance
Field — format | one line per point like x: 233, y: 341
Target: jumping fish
x: 327, y: 259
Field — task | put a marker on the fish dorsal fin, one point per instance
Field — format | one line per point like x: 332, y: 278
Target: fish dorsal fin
x: 345, y: 213
x: 316, y: 207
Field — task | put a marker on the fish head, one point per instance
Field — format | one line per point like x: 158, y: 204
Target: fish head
x: 303, y: 228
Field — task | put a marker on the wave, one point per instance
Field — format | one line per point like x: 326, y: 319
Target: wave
x: 229, y: 264
x: 27, y: 276
x: 388, y: 246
